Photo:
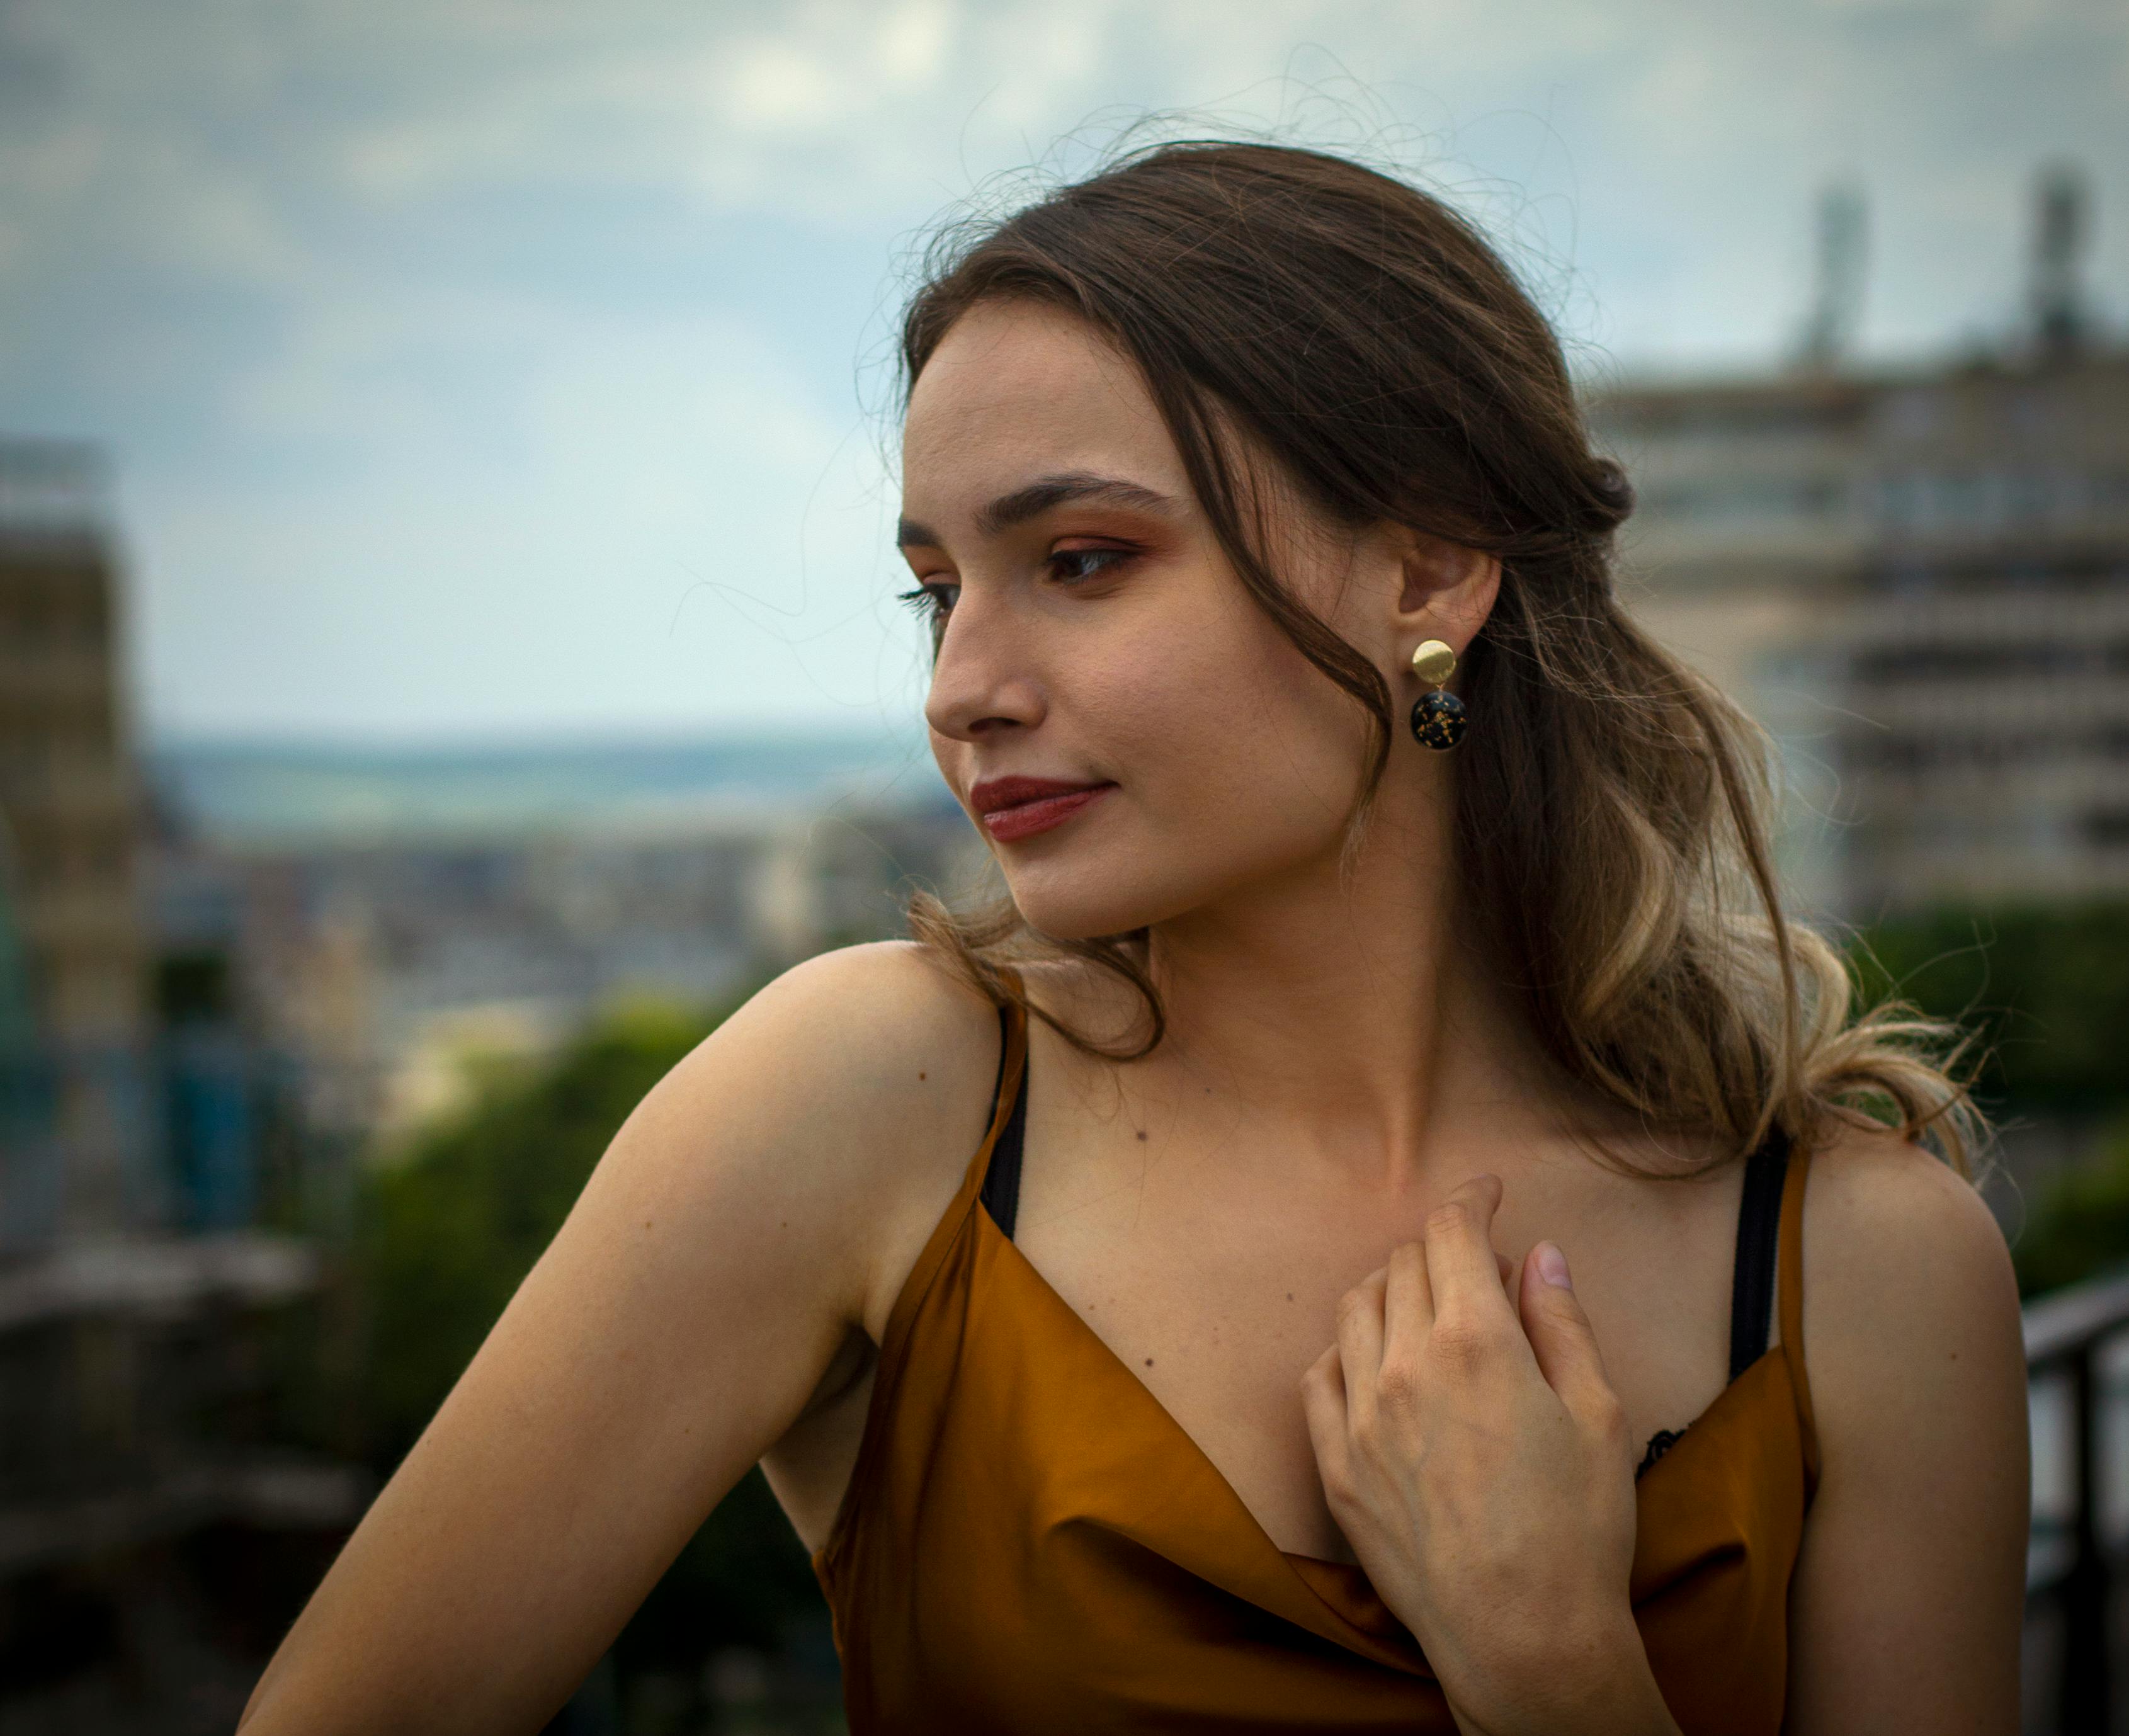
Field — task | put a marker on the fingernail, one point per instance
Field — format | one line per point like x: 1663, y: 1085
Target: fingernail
x: 1552, y: 1266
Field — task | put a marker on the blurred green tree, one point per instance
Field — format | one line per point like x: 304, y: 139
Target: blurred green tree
x: 446, y: 1231
x: 2046, y: 987
x: 2080, y: 1225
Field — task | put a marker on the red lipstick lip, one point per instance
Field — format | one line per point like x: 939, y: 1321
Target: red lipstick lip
x: 1013, y: 808
x: 994, y: 793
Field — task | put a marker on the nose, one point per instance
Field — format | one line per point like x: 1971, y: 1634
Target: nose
x: 983, y: 680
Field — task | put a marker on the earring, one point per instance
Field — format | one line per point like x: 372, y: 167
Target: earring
x: 1438, y: 719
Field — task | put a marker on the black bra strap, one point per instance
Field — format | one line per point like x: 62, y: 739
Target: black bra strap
x: 1759, y: 1232
x: 1001, y: 1188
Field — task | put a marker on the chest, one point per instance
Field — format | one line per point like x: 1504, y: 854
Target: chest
x: 1215, y: 1280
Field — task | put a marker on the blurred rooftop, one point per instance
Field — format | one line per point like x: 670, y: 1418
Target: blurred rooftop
x: 53, y: 488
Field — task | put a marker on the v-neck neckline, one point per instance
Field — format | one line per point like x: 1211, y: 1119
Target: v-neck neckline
x: 1334, y: 1600
x: 1687, y: 1440
x: 1170, y: 1425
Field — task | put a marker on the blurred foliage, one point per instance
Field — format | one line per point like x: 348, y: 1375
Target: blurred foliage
x: 448, y: 1228
x: 2080, y: 1225
x: 2046, y: 989
x: 446, y: 1232
x: 2047, y: 992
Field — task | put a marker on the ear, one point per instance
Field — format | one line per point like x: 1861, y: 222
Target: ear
x: 1448, y: 590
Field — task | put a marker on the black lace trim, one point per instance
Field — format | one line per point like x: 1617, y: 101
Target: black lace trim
x: 1660, y: 1443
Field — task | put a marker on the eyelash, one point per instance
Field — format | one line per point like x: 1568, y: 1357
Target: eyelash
x: 927, y: 601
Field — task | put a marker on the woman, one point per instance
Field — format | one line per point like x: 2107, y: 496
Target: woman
x: 1334, y: 1252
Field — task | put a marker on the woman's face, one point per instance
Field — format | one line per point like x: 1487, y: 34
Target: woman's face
x: 1129, y: 732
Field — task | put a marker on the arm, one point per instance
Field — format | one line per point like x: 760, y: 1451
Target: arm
x: 1907, y: 1605
x: 724, y: 1247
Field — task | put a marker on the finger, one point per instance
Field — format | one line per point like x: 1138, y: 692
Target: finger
x: 1560, y: 1335
x: 1323, y: 1403
x: 1507, y: 1274
x: 1361, y: 1346
x: 1407, y: 1301
x: 1461, y: 1263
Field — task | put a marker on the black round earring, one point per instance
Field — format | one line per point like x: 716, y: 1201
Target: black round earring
x: 1438, y: 719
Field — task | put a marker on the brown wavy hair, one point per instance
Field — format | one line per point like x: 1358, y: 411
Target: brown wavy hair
x: 1292, y: 307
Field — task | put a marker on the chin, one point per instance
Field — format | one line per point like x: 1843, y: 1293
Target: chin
x: 1090, y: 888
x: 1085, y: 894
x: 1082, y: 893
x: 1082, y: 905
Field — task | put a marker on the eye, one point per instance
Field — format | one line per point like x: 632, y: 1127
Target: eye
x: 1076, y: 566
x: 932, y: 604
x: 934, y: 599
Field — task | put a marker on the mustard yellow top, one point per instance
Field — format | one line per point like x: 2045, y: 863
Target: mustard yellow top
x: 1030, y: 1543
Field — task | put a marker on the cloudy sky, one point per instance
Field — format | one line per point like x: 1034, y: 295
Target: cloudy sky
x: 490, y: 369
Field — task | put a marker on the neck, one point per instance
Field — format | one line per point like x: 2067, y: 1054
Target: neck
x: 1347, y: 1006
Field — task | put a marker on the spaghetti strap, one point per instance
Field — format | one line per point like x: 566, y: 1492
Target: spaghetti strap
x: 1000, y: 1191
x: 1005, y: 1102
x: 1752, y: 1273
x: 1792, y: 1307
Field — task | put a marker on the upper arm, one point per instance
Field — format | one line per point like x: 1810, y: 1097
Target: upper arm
x: 1908, y: 1601
x: 722, y: 1250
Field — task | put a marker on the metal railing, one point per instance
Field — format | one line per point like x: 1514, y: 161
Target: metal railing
x: 2068, y: 1334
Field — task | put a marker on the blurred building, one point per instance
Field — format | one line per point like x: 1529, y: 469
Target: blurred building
x: 1918, y: 579
x: 144, y: 1312
x: 67, y: 856
x: 386, y: 964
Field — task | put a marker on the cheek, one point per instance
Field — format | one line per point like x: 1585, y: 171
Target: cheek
x: 1236, y: 759
x: 1238, y: 756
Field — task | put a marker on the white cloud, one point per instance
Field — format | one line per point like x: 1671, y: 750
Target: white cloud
x: 774, y: 87
x: 915, y: 43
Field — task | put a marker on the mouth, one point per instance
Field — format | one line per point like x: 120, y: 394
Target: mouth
x: 1012, y: 808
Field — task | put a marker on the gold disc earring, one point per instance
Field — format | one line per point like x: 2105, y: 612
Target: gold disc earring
x: 1438, y: 719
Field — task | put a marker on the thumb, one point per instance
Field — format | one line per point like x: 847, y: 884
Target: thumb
x: 1560, y: 1333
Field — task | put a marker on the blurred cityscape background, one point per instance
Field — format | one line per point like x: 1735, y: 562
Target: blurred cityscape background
x: 442, y: 668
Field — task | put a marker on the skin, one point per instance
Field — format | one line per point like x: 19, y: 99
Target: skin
x: 1318, y: 1222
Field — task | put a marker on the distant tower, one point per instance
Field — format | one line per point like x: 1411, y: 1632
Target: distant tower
x: 2061, y: 232
x: 1836, y: 311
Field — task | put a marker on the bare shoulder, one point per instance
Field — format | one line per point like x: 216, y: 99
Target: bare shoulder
x: 853, y: 1060
x: 855, y: 1087
x: 1890, y: 1227
x: 880, y: 1030
x: 1906, y: 1605
x: 1911, y: 1305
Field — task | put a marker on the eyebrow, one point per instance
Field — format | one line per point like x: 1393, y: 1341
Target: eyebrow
x: 1038, y: 497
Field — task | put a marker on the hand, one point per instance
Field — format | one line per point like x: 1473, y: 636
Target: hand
x: 1478, y: 1460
